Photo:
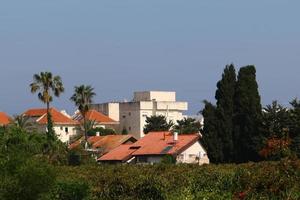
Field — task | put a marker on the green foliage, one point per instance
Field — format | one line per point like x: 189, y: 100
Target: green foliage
x: 82, y: 98
x: 27, y: 181
x: 74, y: 158
x: 248, y: 116
x: 157, y: 123
x: 187, y: 126
x: 266, y: 180
x: 70, y: 190
x: 102, y: 131
x: 46, y: 84
x: 211, y: 139
x: 295, y: 126
x: 225, y: 112
x: 233, y: 128
x: 124, y: 131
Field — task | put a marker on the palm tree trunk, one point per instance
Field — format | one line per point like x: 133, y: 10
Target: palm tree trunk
x: 84, y: 125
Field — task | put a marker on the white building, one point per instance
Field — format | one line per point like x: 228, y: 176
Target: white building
x: 64, y: 127
x: 132, y: 115
x: 145, y: 104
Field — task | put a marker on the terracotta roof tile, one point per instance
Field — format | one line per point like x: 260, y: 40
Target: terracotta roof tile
x: 121, y: 153
x: 154, y: 143
x: 4, y: 119
x: 36, y: 112
x: 96, y: 116
x: 57, y: 118
x: 106, y: 143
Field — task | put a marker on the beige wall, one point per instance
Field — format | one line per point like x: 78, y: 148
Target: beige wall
x: 154, y: 95
x: 133, y: 114
x: 109, y: 109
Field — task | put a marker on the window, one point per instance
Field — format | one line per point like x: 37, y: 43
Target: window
x: 67, y: 130
x: 124, y: 116
x: 61, y: 128
x: 129, y: 128
x: 129, y: 113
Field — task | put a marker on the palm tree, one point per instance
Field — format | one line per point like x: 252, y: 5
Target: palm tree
x: 46, y: 84
x: 23, y: 122
x: 83, y: 97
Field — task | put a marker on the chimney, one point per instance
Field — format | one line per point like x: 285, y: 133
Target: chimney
x: 175, y: 136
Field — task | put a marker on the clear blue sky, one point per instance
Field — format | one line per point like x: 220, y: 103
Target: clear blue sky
x: 120, y: 46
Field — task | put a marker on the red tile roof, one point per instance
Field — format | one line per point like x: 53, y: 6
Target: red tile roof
x: 36, y: 112
x: 121, y: 153
x: 154, y: 143
x: 106, y: 143
x: 96, y: 116
x: 57, y: 117
x: 4, y: 119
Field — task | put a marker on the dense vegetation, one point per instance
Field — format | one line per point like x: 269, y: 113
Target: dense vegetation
x: 238, y: 129
x: 32, y: 169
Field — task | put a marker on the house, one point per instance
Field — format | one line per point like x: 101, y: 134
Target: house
x: 4, y: 119
x: 104, y: 144
x: 100, y: 119
x: 63, y: 126
x: 132, y: 115
x: 155, y: 146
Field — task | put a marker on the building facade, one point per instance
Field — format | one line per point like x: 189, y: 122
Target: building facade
x: 146, y: 104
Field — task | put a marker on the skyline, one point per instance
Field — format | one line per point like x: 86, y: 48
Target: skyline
x: 124, y: 46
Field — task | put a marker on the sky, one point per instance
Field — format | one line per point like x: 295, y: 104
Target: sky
x: 122, y: 46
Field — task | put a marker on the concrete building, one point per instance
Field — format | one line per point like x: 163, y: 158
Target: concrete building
x: 132, y: 115
x: 145, y: 104
x: 109, y: 109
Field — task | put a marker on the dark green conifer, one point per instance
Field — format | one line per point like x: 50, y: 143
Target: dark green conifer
x: 225, y: 108
x: 210, y: 139
x: 248, y: 115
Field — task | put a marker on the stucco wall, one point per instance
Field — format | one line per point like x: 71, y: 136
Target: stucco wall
x: 194, y: 154
x: 60, y: 131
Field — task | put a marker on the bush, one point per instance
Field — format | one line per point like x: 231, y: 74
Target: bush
x: 70, y: 190
x: 102, y: 131
x: 266, y: 180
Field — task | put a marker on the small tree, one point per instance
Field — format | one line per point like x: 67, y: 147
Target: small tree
x: 157, y: 123
x: 124, y: 131
x: 187, y: 126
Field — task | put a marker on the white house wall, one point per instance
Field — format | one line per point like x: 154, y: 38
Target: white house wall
x: 194, y: 154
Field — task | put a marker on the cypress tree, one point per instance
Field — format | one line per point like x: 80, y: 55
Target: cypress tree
x: 225, y: 108
x: 210, y: 137
x: 248, y: 114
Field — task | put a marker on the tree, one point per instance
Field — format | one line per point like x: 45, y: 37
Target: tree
x: 23, y: 122
x: 187, y: 126
x: 225, y: 110
x: 248, y: 116
x: 83, y: 97
x: 46, y: 84
x: 210, y: 138
x: 124, y: 131
x: 276, y: 120
x: 295, y: 126
x: 157, y: 123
